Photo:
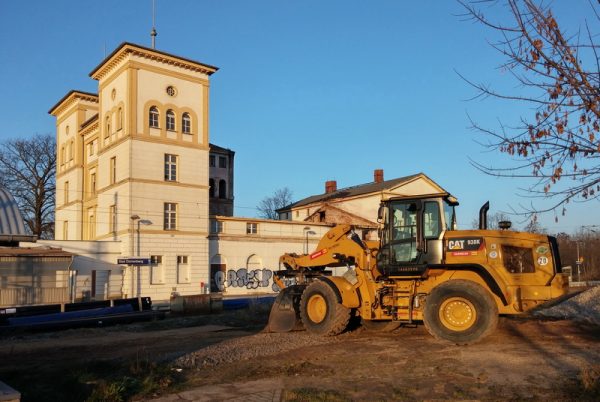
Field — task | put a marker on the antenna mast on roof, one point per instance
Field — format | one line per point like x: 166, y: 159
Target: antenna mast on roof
x: 153, y: 32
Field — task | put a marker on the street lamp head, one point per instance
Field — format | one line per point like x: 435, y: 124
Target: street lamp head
x: 134, y: 217
x: 310, y: 232
x: 145, y: 222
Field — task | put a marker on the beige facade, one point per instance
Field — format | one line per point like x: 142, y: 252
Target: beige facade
x: 244, y: 252
x: 132, y: 166
x: 357, y: 205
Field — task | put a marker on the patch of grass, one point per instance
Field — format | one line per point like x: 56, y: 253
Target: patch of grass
x: 94, y: 381
x: 139, y: 377
x: 589, y: 380
x: 313, y: 395
x: 586, y: 387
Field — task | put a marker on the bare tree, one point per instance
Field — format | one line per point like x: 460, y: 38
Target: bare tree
x: 493, y: 220
x: 534, y: 226
x: 268, y: 207
x: 558, y: 77
x: 581, y: 251
x: 27, y: 170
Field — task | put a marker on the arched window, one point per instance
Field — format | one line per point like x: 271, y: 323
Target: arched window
x: 186, y: 123
x: 222, y: 189
x: 254, y: 262
x: 170, y: 120
x: 211, y: 188
x: 107, y: 133
x: 120, y: 119
x: 153, y: 118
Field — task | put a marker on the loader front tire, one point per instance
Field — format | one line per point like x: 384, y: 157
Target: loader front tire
x: 321, y: 312
x: 460, y: 311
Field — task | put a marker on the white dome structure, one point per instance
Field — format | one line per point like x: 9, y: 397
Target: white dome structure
x: 12, y: 227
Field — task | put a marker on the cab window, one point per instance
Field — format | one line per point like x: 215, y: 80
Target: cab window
x: 448, y: 215
x: 404, y: 233
x: 432, y: 226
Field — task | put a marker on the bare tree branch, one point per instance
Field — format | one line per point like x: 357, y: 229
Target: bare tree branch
x: 27, y: 170
x: 268, y: 206
x: 559, y: 76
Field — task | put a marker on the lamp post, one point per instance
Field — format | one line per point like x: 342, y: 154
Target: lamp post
x: 140, y: 222
x: 133, y: 218
x: 308, y: 232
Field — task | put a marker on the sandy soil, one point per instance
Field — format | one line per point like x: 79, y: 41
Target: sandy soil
x: 525, y: 359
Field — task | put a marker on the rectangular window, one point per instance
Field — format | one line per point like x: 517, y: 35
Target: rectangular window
x: 216, y: 226
x: 222, y: 162
x: 211, y: 161
x: 183, y: 269
x: 170, y: 167
x: 112, y: 218
x: 92, y: 183
x: 66, y: 194
x: 113, y: 170
x: 91, y: 224
x: 170, y: 222
x: 157, y: 270
x: 251, y: 228
x: 65, y: 230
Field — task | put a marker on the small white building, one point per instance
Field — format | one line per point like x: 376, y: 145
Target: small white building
x: 244, y: 252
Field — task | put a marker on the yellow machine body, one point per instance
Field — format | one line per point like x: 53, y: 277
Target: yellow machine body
x: 474, y: 274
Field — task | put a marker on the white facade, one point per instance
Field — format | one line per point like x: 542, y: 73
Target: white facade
x: 244, y: 252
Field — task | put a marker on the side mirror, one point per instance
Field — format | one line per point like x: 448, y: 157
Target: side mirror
x: 382, y: 213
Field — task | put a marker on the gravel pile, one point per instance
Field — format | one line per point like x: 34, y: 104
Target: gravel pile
x: 585, y: 307
x: 250, y: 347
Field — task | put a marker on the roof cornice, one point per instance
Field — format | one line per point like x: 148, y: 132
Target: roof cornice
x: 89, y: 128
x: 127, y: 48
x: 71, y: 97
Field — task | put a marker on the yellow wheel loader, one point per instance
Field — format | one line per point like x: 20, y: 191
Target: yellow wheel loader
x: 457, y: 282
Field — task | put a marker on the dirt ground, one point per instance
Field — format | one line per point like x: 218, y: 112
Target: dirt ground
x: 227, y: 357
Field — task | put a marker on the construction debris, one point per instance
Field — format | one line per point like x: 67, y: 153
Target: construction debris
x: 584, y: 308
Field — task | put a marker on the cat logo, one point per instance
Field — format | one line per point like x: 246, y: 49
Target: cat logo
x: 465, y: 244
x: 456, y: 244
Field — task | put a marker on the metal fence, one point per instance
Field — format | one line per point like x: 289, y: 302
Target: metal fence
x: 30, y: 295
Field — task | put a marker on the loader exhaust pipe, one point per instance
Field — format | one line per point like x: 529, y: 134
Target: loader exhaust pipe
x: 483, y: 215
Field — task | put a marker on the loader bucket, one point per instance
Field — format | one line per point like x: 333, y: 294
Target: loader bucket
x: 285, y: 313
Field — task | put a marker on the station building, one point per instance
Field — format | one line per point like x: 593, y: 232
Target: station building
x: 137, y: 176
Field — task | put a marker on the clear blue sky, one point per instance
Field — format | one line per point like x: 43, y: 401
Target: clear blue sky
x: 307, y: 91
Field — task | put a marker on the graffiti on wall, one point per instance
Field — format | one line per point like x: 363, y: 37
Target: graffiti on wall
x: 246, y: 278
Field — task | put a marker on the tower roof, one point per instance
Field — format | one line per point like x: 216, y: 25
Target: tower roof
x: 126, y: 48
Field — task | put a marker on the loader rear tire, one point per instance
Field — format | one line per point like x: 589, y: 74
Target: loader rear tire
x: 460, y: 311
x: 321, y: 312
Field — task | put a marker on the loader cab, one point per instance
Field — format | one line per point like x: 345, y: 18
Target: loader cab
x: 411, y: 233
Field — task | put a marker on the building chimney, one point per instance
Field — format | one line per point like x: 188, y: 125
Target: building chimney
x: 330, y: 186
x: 378, y: 175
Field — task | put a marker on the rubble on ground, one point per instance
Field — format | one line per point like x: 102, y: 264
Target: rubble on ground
x: 584, y: 307
x: 262, y: 344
